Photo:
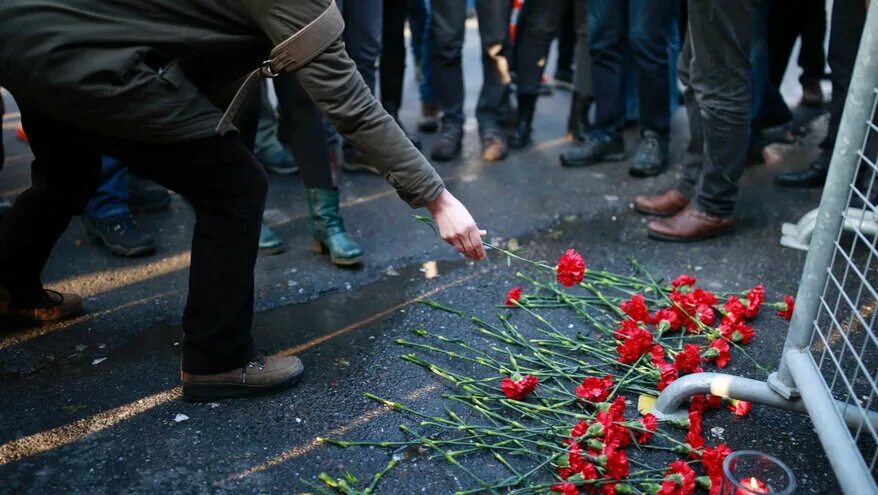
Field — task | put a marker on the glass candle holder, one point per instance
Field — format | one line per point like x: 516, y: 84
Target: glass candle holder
x: 748, y: 472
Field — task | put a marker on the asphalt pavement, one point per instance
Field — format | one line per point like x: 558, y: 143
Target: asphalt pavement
x: 92, y: 405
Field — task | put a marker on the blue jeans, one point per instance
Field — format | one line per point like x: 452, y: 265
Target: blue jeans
x: 644, y: 25
x: 111, y: 198
x: 419, y: 25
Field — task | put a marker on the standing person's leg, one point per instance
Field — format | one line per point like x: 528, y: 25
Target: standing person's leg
x: 848, y: 18
x: 534, y: 41
x: 719, y: 76
x: 674, y: 200
x: 419, y: 24
x: 493, y: 16
x: 108, y: 218
x: 271, y: 153
x: 302, y: 122
x: 583, y: 94
x: 392, y: 64
x: 447, y: 30
x: 649, y: 24
x: 812, y: 58
x: 607, y: 31
x: 64, y: 175
x: 4, y: 203
x: 566, y: 48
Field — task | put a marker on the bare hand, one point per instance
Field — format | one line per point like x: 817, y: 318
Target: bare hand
x: 457, y: 227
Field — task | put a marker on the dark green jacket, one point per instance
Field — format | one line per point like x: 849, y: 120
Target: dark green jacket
x: 142, y: 70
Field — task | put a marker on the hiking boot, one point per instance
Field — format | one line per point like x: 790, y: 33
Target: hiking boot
x: 563, y: 78
x: 521, y: 137
x: 48, y: 306
x: 269, y: 242
x: 447, y: 144
x: 429, y: 121
x: 652, y: 156
x: 595, y: 150
x: 261, y: 376
x: 120, y: 234
x: 494, y: 146
x: 812, y: 93
x: 281, y: 162
x: 145, y: 195
x: 327, y: 228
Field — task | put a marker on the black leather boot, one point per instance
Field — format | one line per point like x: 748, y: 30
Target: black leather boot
x: 813, y: 176
x: 521, y: 137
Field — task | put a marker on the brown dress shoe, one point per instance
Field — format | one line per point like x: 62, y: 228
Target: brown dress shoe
x: 690, y: 225
x: 261, y: 376
x: 52, y: 306
x: 661, y: 205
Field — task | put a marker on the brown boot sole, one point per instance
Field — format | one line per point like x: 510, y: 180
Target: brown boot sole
x: 203, y: 392
x: 667, y: 238
x: 319, y: 248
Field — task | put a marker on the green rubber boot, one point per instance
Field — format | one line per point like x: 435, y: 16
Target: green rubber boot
x: 327, y: 228
x: 269, y: 242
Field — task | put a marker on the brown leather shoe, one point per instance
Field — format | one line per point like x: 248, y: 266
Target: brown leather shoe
x: 52, y: 306
x: 690, y: 225
x: 261, y: 376
x: 661, y: 205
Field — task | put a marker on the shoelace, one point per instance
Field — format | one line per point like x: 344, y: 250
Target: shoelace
x: 258, y: 360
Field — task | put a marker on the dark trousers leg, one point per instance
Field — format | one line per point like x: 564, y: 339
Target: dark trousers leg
x: 392, y: 65
x: 693, y: 160
x: 494, y: 34
x: 64, y: 176
x: 566, y: 38
x: 300, y: 126
x: 2, y: 151
x: 362, y: 35
x: 848, y: 18
x: 447, y: 28
x: 719, y: 77
x: 812, y: 58
x: 543, y: 22
x: 227, y: 187
x: 583, y: 77
x: 649, y: 24
x: 607, y: 32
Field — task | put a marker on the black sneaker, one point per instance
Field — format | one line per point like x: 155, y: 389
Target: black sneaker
x: 447, y: 144
x: 652, y: 156
x: 121, y: 235
x: 145, y: 195
x: 595, y: 150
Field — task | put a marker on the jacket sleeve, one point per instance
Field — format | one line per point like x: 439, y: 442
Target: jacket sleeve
x: 332, y: 81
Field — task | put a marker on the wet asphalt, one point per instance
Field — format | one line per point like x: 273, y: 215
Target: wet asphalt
x: 92, y: 405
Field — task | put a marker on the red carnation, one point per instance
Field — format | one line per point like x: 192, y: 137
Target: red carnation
x: 706, y: 315
x: 736, y: 331
x: 650, y: 424
x: 701, y: 296
x: 712, y: 458
x: 669, y: 318
x: 787, y: 306
x: 683, y: 280
x: 754, y: 301
x: 693, y: 436
x: 679, y: 480
x: 635, y: 345
x: 689, y: 360
x: 739, y: 407
x: 657, y: 355
x: 578, y: 429
x: 617, y: 464
x: 718, y: 351
x: 636, y: 309
x: 513, y: 296
x: 714, y: 401
x: 571, y: 268
x: 668, y: 376
x: 518, y: 390
x: 627, y: 328
x: 565, y: 489
x: 594, y: 389
x: 734, y: 309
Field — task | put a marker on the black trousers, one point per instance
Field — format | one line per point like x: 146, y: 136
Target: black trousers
x: 848, y: 18
x: 715, y: 67
x: 2, y: 151
x: 220, y: 178
x: 543, y: 22
x: 788, y: 20
x: 392, y: 65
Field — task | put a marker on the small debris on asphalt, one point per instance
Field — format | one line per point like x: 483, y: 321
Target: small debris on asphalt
x: 180, y: 418
x: 98, y: 361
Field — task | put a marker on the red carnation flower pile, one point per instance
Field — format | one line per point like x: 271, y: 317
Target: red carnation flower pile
x: 519, y: 389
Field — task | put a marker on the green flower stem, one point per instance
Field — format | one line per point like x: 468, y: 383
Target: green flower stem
x: 379, y: 476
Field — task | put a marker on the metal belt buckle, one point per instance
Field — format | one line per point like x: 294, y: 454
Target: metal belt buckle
x: 267, y: 71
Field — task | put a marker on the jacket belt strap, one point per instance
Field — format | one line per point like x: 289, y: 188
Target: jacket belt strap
x: 289, y: 55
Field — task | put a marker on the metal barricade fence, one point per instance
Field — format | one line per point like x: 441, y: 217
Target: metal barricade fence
x: 829, y: 364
